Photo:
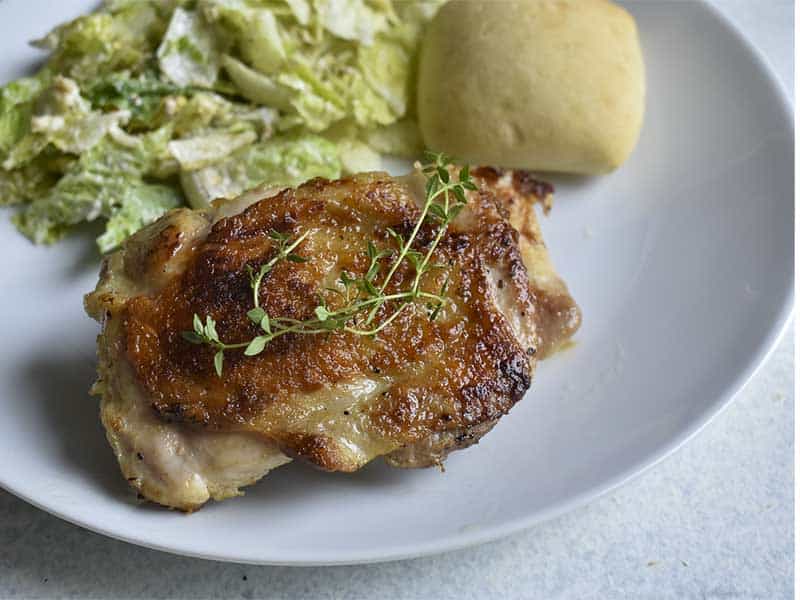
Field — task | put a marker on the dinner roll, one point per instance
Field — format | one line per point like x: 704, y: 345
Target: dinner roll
x: 552, y: 85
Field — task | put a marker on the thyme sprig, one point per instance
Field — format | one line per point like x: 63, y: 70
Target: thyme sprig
x: 362, y: 297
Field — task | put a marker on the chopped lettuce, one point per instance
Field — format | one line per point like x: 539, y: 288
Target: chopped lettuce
x: 25, y: 184
x: 351, y: 19
x: 314, y: 106
x: 355, y: 155
x: 140, y: 95
x: 16, y: 105
x: 410, y: 20
x: 139, y: 205
x: 188, y: 54
x: 62, y: 119
x: 147, y: 104
x: 66, y: 120
x: 187, y: 115
x: 104, y: 182
x: 301, y: 11
x: 386, y: 66
x: 401, y: 138
x: 205, y: 150
x: 104, y: 42
x: 255, y: 31
x: 280, y: 162
x: 331, y: 60
x: 257, y: 87
x: 207, y: 112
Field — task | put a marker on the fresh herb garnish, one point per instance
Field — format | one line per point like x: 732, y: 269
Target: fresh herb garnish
x: 364, y: 296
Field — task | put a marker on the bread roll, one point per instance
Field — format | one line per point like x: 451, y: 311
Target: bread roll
x: 553, y: 85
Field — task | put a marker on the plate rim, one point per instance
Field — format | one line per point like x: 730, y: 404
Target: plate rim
x: 765, y: 348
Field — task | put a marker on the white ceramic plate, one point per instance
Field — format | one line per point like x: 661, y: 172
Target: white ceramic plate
x: 682, y: 262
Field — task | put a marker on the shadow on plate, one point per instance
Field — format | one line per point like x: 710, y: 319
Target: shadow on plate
x: 59, y: 386
x: 564, y: 182
x: 87, y: 255
x: 299, y: 479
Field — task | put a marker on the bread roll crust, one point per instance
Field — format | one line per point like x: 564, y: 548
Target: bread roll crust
x: 553, y: 85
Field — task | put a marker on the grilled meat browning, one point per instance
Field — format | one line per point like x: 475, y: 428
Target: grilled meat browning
x: 412, y: 393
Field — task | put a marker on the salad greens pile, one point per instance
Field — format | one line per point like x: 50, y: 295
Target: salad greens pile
x: 145, y: 105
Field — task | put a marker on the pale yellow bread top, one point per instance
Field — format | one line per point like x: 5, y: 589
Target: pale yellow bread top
x: 550, y: 85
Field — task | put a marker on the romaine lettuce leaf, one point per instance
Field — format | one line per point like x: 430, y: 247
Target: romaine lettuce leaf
x: 282, y: 161
x: 25, y: 184
x: 255, y: 31
x: 16, y: 105
x: 257, y: 87
x: 332, y: 60
x: 315, y: 111
x: 300, y: 10
x: 357, y: 157
x: 204, y: 150
x: 354, y: 155
x: 386, y: 67
x: 104, y: 182
x: 188, y: 115
x: 141, y: 204
x: 350, y: 19
x: 63, y: 119
x: 207, y: 113
x: 409, y: 20
x: 189, y: 53
x: 103, y: 42
x: 368, y: 108
x: 401, y: 138
x: 141, y: 95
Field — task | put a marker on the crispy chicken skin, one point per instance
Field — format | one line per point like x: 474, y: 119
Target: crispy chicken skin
x: 411, y: 394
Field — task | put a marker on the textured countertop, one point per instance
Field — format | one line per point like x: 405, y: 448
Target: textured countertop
x: 714, y: 520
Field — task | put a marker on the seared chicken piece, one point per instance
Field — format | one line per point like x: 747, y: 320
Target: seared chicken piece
x: 412, y: 394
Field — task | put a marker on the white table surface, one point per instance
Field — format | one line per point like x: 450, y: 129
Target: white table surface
x: 714, y: 520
